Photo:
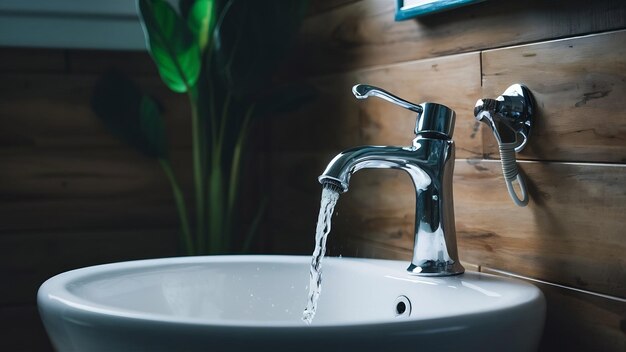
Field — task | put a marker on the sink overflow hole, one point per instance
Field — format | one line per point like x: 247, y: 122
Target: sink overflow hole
x: 402, y: 306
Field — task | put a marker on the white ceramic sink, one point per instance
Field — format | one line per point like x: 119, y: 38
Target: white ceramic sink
x: 255, y: 303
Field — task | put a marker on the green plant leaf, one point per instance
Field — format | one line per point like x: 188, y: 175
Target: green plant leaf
x: 254, y: 226
x: 151, y: 124
x: 131, y: 116
x: 171, y: 45
x: 201, y: 19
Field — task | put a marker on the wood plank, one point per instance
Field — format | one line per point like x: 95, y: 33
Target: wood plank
x: 579, y: 321
x: 336, y: 120
x: 71, y: 189
x: 364, y: 33
x: 29, y: 258
x: 22, y: 330
x: 76, y: 174
x: 380, y: 207
x: 96, y: 213
x: 50, y: 110
x: 571, y: 233
x: 579, y: 85
x: 31, y: 60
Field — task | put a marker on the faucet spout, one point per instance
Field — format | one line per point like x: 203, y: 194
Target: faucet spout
x: 346, y: 163
x: 430, y: 164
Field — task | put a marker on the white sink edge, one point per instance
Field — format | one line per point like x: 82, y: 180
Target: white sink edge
x: 66, y: 301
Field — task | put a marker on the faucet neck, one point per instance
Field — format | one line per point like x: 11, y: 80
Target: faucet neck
x: 435, y: 249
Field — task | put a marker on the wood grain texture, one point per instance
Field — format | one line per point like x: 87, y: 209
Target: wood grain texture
x: 380, y: 207
x: 336, y: 120
x: 29, y: 258
x: 363, y: 33
x: 579, y: 85
x: 71, y: 195
x: 579, y: 321
x: 51, y: 110
x: 571, y: 233
x: 76, y: 174
x: 71, y: 189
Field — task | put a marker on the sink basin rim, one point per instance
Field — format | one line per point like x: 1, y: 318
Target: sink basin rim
x: 56, y: 295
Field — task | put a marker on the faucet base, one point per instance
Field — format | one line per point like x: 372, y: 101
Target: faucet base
x: 435, y: 268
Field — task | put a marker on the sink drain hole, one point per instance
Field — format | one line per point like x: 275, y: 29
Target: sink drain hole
x: 402, y: 306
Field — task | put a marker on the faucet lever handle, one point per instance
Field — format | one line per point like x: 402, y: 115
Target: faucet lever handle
x: 432, y: 118
x: 364, y: 91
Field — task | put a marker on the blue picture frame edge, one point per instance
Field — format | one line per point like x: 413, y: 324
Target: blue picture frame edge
x: 438, y: 6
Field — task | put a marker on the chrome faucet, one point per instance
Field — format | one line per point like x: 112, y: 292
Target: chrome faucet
x: 430, y: 164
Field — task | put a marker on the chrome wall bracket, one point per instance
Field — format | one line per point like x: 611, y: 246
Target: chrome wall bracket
x: 510, y: 118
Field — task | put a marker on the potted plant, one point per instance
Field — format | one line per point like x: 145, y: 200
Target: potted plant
x: 221, y: 54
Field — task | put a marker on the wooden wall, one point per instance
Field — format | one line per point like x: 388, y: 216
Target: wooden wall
x: 70, y: 194
x: 570, y: 240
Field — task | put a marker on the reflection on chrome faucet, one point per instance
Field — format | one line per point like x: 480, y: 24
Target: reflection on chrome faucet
x: 429, y: 161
